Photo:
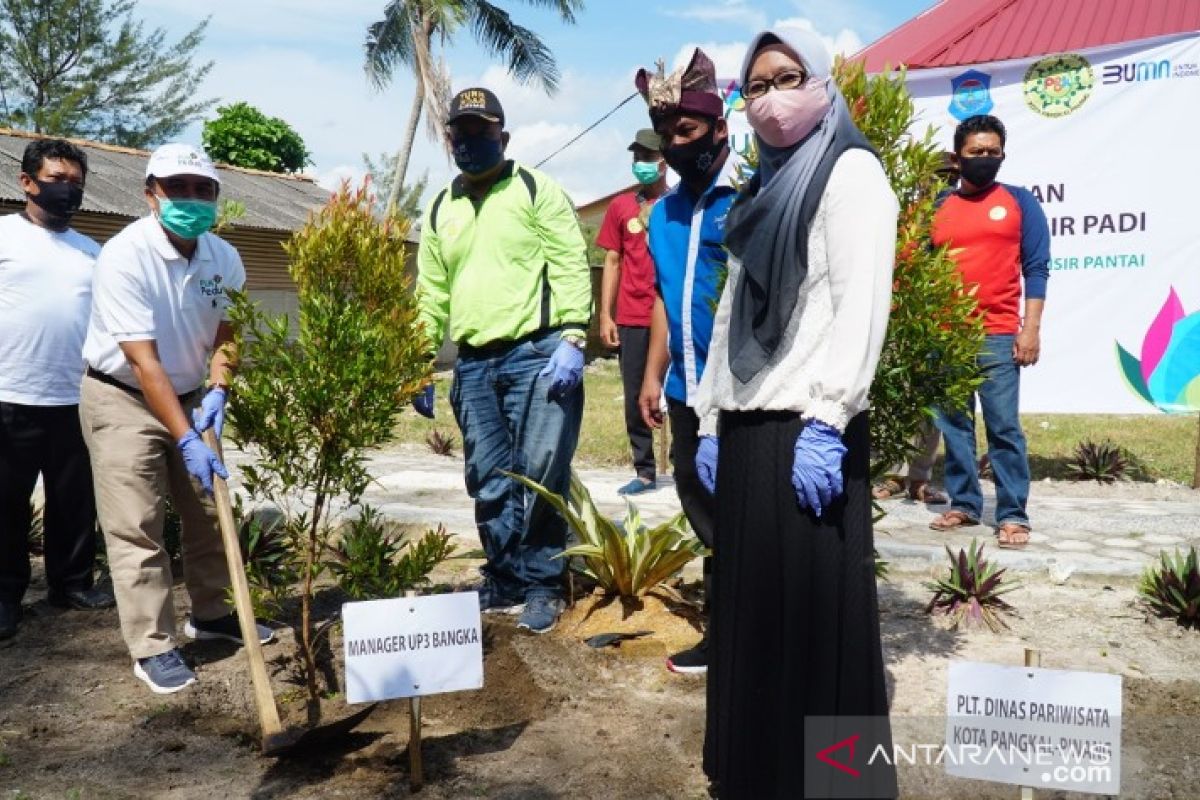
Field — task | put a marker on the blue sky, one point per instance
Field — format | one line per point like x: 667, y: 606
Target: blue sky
x: 302, y: 60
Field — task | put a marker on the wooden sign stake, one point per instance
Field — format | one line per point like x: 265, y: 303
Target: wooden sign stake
x: 1033, y: 658
x: 416, y: 777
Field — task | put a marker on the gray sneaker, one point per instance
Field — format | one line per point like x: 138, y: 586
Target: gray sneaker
x: 540, y: 614
x: 165, y: 673
x: 225, y: 627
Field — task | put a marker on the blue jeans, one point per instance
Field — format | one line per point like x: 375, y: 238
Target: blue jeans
x: 999, y: 399
x: 509, y: 423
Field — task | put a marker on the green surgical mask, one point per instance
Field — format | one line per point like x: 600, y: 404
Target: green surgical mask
x: 187, y: 219
x: 646, y: 172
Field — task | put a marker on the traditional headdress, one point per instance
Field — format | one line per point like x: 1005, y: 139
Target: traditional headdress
x: 691, y: 89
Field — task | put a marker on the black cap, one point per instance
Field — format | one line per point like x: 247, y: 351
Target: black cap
x: 476, y: 102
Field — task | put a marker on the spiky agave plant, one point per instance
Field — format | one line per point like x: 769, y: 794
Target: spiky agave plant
x: 1104, y: 462
x: 628, y: 562
x: 970, y: 593
x: 1172, y: 588
x: 442, y: 444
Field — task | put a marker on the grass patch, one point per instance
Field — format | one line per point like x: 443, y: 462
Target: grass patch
x: 1165, y: 446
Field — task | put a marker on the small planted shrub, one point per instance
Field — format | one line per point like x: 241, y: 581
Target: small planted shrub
x: 374, y: 559
x: 1104, y: 462
x: 37, y: 531
x: 1172, y: 587
x: 971, y: 593
x: 269, y: 554
x: 881, y: 567
x: 629, y: 562
x: 442, y: 444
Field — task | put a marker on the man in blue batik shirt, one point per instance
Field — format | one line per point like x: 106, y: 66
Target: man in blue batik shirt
x: 686, y: 235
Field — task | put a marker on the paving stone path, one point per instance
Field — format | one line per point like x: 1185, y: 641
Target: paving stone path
x: 1078, y: 529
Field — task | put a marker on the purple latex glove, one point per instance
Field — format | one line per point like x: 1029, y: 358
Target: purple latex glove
x: 706, y: 462
x: 817, y: 467
x: 423, y: 402
x: 201, y: 462
x: 211, y: 413
x: 566, y: 365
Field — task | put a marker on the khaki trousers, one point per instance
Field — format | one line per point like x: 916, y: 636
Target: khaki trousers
x: 135, y: 461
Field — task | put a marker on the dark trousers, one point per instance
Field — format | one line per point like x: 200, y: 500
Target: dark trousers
x: 635, y: 343
x: 698, y: 505
x: 46, y: 440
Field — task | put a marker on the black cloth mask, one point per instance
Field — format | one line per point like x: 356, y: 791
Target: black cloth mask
x: 692, y: 161
x: 59, y: 199
x: 980, y: 171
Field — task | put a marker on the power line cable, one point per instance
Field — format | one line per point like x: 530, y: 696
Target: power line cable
x: 585, y: 131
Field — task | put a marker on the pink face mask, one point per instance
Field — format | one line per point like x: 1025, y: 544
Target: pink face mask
x: 782, y: 117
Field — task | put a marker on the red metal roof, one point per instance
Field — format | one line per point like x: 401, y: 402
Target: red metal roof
x: 958, y: 32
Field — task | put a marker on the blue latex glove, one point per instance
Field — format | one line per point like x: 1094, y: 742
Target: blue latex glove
x: 423, y: 402
x: 211, y: 413
x: 201, y: 462
x: 706, y: 462
x: 566, y: 365
x: 817, y: 468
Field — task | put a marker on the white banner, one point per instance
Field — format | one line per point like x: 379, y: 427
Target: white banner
x: 412, y: 646
x: 1105, y: 139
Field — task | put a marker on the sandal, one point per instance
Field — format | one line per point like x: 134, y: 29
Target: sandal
x: 952, y: 520
x: 1013, y: 536
x: 888, y: 490
x: 922, y: 492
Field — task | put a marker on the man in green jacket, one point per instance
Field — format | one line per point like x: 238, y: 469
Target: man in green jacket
x: 503, y: 259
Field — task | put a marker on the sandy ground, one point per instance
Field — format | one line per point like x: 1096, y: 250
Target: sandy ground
x: 555, y: 718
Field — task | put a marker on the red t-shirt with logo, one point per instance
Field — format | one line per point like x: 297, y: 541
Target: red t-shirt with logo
x: 997, y: 238
x: 624, y: 232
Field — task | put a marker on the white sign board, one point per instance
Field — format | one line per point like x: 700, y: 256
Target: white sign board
x: 412, y: 646
x: 1095, y: 135
x: 1046, y: 728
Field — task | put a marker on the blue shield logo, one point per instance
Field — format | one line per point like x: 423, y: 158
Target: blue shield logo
x: 970, y: 95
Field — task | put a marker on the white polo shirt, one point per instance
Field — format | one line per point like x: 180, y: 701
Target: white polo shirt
x: 45, y: 298
x: 144, y: 289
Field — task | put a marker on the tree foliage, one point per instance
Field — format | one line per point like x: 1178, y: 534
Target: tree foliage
x: 933, y: 337
x: 89, y: 69
x: 383, y: 174
x: 243, y: 136
x: 407, y: 34
x: 313, y: 398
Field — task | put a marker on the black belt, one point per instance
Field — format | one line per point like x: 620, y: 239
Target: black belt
x: 104, y: 377
x: 501, y: 345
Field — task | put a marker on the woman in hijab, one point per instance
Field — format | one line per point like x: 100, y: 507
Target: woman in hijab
x: 795, y: 637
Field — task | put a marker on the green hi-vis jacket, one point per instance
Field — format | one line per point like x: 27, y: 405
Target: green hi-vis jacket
x: 505, y: 266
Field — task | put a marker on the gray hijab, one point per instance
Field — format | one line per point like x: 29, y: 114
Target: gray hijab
x: 767, y: 227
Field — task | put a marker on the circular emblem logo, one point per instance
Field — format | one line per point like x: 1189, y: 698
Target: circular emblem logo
x: 634, y: 225
x: 998, y: 213
x: 1056, y: 86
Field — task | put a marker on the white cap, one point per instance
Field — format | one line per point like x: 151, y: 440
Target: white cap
x: 180, y: 159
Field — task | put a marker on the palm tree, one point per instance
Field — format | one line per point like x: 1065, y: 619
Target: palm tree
x: 406, y: 35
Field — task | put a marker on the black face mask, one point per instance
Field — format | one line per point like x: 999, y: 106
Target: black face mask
x: 980, y: 171
x: 693, y: 160
x: 59, y: 199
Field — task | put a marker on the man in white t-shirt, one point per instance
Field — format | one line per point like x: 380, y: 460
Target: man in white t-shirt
x: 157, y: 331
x: 45, y: 299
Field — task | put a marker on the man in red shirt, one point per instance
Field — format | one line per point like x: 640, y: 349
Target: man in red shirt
x: 998, y: 237
x: 627, y: 294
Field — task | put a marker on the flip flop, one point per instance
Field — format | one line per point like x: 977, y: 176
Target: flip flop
x: 928, y: 495
x: 1012, y: 536
x: 952, y: 520
x: 887, y: 490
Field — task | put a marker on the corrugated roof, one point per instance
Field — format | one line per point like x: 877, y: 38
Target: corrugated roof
x: 116, y: 176
x: 960, y: 32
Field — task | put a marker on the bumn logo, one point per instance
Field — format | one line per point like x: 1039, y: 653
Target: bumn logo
x: 1136, y: 71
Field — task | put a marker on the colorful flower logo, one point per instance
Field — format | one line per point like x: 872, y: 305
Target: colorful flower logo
x: 1168, y: 374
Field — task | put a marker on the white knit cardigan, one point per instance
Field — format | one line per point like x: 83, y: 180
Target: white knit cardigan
x: 825, y: 363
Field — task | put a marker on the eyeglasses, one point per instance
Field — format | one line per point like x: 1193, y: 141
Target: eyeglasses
x: 789, y: 79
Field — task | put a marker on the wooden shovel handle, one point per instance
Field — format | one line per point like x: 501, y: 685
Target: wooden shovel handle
x: 264, y: 699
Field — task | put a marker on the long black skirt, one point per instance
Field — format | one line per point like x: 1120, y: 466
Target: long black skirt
x: 794, y: 636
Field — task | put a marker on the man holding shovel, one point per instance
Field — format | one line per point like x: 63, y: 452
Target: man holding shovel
x: 157, y: 331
